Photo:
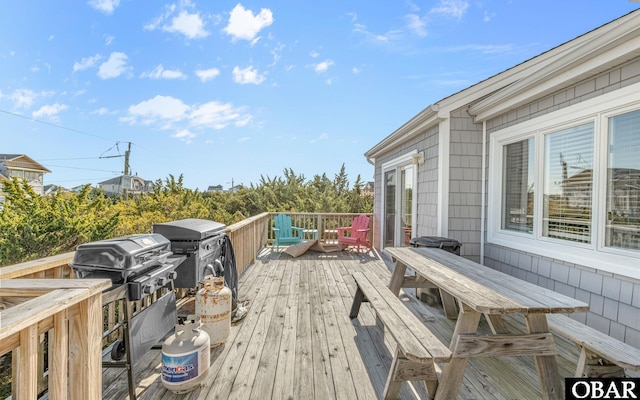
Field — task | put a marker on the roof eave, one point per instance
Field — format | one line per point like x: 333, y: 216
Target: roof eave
x: 569, y: 63
x: 426, y: 118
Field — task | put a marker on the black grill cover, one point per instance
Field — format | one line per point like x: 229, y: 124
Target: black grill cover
x: 450, y: 245
x: 189, y: 229
x: 127, y: 255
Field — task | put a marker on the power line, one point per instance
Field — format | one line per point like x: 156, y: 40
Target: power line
x: 55, y: 125
x: 85, y: 169
x: 69, y: 159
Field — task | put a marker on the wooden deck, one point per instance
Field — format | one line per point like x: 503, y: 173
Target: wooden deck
x: 297, y: 342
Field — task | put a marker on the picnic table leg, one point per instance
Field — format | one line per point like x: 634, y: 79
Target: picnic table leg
x: 453, y: 372
x: 496, y: 323
x: 397, y: 277
x: 449, y: 305
x: 357, y: 301
x: 547, y: 366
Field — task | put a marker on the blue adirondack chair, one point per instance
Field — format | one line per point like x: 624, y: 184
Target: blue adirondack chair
x: 284, y: 232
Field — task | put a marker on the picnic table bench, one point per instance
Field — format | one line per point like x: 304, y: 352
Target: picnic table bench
x: 417, y: 348
x: 477, y: 290
x: 601, y: 356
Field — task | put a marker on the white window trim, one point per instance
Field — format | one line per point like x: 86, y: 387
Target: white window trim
x: 595, y: 254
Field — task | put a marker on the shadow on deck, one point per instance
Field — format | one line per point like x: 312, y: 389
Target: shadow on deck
x: 297, y: 342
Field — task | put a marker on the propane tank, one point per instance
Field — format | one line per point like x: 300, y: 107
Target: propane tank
x: 213, y: 306
x: 185, y: 357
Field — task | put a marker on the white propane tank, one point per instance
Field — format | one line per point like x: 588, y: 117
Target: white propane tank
x: 213, y: 306
x: 185, y: 357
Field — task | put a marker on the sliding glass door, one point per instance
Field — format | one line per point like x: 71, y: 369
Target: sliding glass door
x: 399, y: 205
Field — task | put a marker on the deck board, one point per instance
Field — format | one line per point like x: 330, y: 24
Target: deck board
x: 297, y: 341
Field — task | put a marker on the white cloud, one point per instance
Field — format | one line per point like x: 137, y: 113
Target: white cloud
x: 115, y: 66
x: 160, y: 73
x: 451, y: 8
x: 158, y: 109
x: 105, y: 6
x: 356, y: 70
x: 190, y: 25
x: 244, y: 25
x: 416, y: 25
x: 207, y: 74
x: 323, y: 66
x: 50, y: 111
x: 167, y: 112
x: 314, y: 54
x: 488, y: 16
x: 23, y: 98
x: 100, y: 111
x: 377, y: 38
x: 185, y: 135
x: 243, y: 139
x: 86, y: 62
x: 323, y: 136
x: 218, y: 115
x: 247, y: 75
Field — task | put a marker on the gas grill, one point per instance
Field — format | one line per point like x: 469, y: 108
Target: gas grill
x: 143, y: 263
x: 201, y: 241
x: 141, y: 267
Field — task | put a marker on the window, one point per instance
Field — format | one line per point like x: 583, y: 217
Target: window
x: 566, y: 185
x: 517, y: 198
x: 623, y: 182
x: 568, y: 177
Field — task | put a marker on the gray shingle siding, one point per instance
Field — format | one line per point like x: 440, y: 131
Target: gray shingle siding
x: 465, y: 188
x: 427, y: 176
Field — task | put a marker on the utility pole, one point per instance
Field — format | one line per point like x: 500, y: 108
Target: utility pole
x: 127, y: 154
x: 126, y: 160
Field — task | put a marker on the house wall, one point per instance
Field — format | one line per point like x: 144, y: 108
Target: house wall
x: 614, y: 300
x: 427, y: 180
x: 427, y: 190
x: 465, y: 187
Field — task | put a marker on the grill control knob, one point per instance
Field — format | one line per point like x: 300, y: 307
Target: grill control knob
x: 172, y: 275
x: 162, y: 281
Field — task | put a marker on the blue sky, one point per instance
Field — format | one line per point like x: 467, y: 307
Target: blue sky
x: 223, y: 92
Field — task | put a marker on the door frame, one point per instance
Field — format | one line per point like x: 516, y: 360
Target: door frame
x: 398, y: 164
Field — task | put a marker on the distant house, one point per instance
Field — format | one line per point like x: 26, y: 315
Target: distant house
x: 536, y: 171
x: 126, y: 184
x: 216, y: 188
x: 24, y: 167
x: 368, y: 189
x: 53, y: 189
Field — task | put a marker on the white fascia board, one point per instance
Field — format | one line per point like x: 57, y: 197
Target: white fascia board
x: 425, y: 119
x: 606, y: 47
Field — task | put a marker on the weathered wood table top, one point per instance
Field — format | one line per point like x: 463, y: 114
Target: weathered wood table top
x: 477, y: 290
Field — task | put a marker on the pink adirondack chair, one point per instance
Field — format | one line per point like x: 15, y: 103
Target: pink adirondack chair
x: 356, y: 234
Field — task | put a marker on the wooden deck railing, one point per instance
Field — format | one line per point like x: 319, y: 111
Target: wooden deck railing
x: 67, y: 310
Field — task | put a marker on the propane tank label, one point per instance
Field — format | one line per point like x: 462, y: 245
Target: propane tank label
x: 181, y: 368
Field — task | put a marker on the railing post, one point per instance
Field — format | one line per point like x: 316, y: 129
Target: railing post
x: 58, y: 356
x: 85, y: 344
x: 28, y: 363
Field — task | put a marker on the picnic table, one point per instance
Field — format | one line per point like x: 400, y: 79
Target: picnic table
x: 470, y: 290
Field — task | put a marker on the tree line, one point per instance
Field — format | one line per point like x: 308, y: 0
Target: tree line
x: 34, y: 226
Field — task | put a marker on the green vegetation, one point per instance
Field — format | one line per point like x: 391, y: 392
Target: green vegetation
x: 34, y: 226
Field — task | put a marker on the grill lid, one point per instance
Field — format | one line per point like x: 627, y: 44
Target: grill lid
x: 123, y: 253
x: 189, y: 229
